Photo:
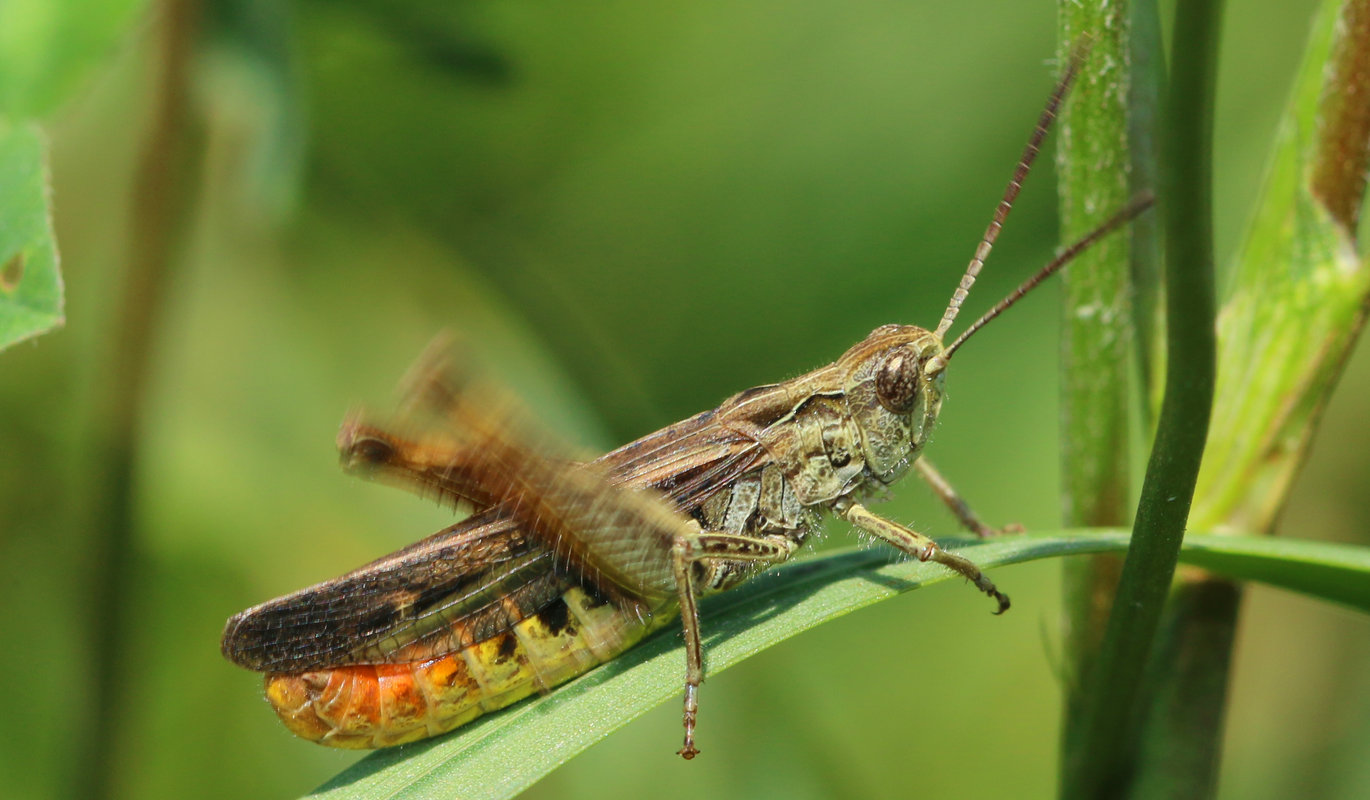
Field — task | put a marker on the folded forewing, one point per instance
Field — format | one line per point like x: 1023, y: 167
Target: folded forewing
x: 433, y: 597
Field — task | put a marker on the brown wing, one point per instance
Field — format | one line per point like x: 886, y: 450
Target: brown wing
x: 545, y: 522
x: 428, y: 596
x: 436, y: 444
x: 433, y: 466
x: 694, y: 458
x: 687, y: 461
x: 607, y: 522
x: 451, y: 414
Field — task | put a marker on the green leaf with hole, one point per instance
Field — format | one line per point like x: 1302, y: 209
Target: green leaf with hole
x: 30, y: 284
x: 504, y: 753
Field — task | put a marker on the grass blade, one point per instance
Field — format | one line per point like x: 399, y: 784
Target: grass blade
x: 504, y: 753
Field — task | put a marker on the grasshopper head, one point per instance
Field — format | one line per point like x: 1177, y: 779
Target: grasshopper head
x: 893, y: 386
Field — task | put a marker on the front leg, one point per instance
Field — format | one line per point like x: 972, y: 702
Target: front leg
x: 953, y: 500
x: 703, y: 546
x: 918, y: 545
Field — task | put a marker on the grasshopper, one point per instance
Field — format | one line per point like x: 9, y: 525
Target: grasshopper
x: 564, y: 565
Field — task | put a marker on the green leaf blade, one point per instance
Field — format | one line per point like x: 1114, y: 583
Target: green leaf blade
x: 1296, y: 307
x: 1327, y: 571
x: 502, y: 754
x: 30, y: 283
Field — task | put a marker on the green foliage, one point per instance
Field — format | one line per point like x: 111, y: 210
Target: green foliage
x: 1099, y: 747
x: 30, y: 284
x: 1295, y: 307
x: 1096, y: 319
x: 48, y: 47
x: 1096, y: 340
x: 505, y: 753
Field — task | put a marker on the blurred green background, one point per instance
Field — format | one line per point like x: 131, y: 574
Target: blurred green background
x: 631, y: 211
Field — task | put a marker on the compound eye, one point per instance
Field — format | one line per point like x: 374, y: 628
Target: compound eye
x: 896, y: 381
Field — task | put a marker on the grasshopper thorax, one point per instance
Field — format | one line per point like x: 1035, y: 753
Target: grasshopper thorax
x: 893, y: 396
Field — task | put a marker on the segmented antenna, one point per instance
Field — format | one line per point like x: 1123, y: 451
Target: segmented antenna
x: 1137, y: 205
x: 1014, y: 185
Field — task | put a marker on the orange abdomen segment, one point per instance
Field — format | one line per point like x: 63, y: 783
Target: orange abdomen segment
x: 379, y: 705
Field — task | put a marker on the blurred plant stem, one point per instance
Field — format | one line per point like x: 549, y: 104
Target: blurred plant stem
x: 164, y: 189
x: 1099, y: 752
x: 1145, y: 718
x: 1181, y: 737
x: 1146, y: 78
x: 1296, y: 308
x: 1093, y: 161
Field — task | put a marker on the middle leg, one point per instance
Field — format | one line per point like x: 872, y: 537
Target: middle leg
x: 704, y: 546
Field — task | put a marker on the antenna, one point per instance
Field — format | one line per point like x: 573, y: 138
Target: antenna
x: 1034, y: 145
x: 1136, y: 206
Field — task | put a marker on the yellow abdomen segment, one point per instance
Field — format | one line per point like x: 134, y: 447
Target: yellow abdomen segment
x: 379, y: 705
